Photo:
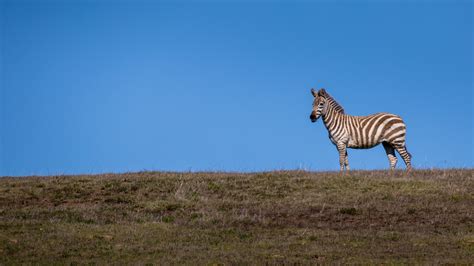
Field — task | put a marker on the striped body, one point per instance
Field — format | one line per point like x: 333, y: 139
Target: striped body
x: 360, y: 132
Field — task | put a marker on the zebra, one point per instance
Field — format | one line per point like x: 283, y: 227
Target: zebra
x: 360, y: 132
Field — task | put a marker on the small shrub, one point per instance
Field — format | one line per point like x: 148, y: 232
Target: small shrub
x: 213, y: 187
x: 349, y: 211
x: 172, y: 207
x: 167, y: 219
x: 456, y: 197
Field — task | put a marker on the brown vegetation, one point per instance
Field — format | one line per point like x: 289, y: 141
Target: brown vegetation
x: 234, y: 218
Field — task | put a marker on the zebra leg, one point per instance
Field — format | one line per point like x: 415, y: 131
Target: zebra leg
x: 402, y: 150
x: 346, y: 162
x: 341, y: 147
x: 390, y: 154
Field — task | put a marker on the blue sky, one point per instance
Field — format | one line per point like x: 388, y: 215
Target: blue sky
x: 91, y: 87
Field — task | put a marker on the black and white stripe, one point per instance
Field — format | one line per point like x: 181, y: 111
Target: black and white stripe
x: 360, y: 132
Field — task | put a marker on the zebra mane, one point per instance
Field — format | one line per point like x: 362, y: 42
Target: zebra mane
x: 337, y: 107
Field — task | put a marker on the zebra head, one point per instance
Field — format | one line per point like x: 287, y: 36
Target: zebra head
x: 318, y: 104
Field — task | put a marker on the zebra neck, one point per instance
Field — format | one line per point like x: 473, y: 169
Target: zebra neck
x: 331, y: 118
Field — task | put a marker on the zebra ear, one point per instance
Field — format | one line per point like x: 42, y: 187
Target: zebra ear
x: 321, y: 92
x: 313, y: 91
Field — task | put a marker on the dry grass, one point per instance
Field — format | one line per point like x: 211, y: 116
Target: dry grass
x: 233, y: 218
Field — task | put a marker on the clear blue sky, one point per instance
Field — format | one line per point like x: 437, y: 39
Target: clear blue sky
x: 91, y: 87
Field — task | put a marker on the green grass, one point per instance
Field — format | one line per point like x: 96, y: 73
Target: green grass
x: 286, y: 217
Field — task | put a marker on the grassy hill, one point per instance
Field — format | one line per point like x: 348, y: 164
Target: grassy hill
x: 235, y: 218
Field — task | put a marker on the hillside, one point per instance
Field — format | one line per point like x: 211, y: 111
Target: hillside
x: 235, y: 218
